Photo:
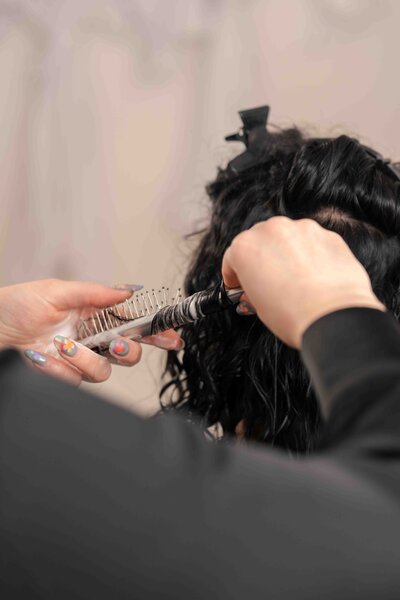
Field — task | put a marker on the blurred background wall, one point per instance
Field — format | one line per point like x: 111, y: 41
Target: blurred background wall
x: 113, y: 114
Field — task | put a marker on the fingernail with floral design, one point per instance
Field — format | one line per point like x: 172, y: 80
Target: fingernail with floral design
x: 119, y: 347
x: 36, y: 357
x: 245, y: 309
x: 65, y: 345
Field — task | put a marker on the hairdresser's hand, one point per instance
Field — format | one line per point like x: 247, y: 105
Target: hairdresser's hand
x: 33, y: 314
x: 294, y: 272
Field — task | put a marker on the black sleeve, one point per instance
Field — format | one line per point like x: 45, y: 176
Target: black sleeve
x: 98, y: 504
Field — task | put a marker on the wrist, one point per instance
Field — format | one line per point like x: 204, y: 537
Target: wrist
x: 333, y: 304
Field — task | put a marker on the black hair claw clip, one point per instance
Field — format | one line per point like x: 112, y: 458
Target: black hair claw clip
x: 253, y: 134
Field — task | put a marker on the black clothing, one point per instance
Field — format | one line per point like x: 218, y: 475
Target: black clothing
x: 97, y: 504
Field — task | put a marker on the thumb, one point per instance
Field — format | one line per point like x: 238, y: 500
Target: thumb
x: 66, y: 295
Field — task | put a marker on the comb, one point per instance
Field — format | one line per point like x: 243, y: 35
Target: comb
x: 140, y: 305
x: 147, y: 313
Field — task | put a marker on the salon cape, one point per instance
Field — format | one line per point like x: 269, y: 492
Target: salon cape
x: 96, y: 503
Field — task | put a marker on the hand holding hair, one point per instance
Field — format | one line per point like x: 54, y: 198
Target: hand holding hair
x: 40, y: 318
x: 294, y: 272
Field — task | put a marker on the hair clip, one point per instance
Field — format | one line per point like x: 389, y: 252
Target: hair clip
x: 385, y: 164
x: 253, y: 134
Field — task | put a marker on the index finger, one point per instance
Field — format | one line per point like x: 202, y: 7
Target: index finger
x: 231, y: 280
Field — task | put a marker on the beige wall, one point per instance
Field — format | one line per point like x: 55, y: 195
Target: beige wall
x: 113, y: 115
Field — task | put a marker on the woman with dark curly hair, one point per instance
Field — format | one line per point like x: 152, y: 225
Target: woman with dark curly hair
x: 234, y: 372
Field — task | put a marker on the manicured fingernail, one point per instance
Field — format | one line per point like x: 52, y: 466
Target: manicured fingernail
x: 65, y: 345
x: 129, y: 287
x: 166, y: 343
x: 119, y: 347
x: 36, y: 357
x: 245, y: 309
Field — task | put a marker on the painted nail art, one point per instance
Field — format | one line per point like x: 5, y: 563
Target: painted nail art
x: 119, y: 347
x: 131, y: 287
x: 36, y: 357
x: 245, y: 309
x: 65, y: 345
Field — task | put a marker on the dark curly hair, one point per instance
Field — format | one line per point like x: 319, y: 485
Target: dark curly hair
x: 233, y: 369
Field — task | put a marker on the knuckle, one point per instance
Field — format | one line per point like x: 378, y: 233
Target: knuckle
x: 276, y: 226
x: 279, y: 227
x: 102, y: 370
x: 307, y: 224
x: 238, y: 239
x: 278, y: 221
x: 261, y: 227
x: 238, y: 244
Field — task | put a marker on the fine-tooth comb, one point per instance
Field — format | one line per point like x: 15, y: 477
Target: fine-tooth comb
x: 148, y: 313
